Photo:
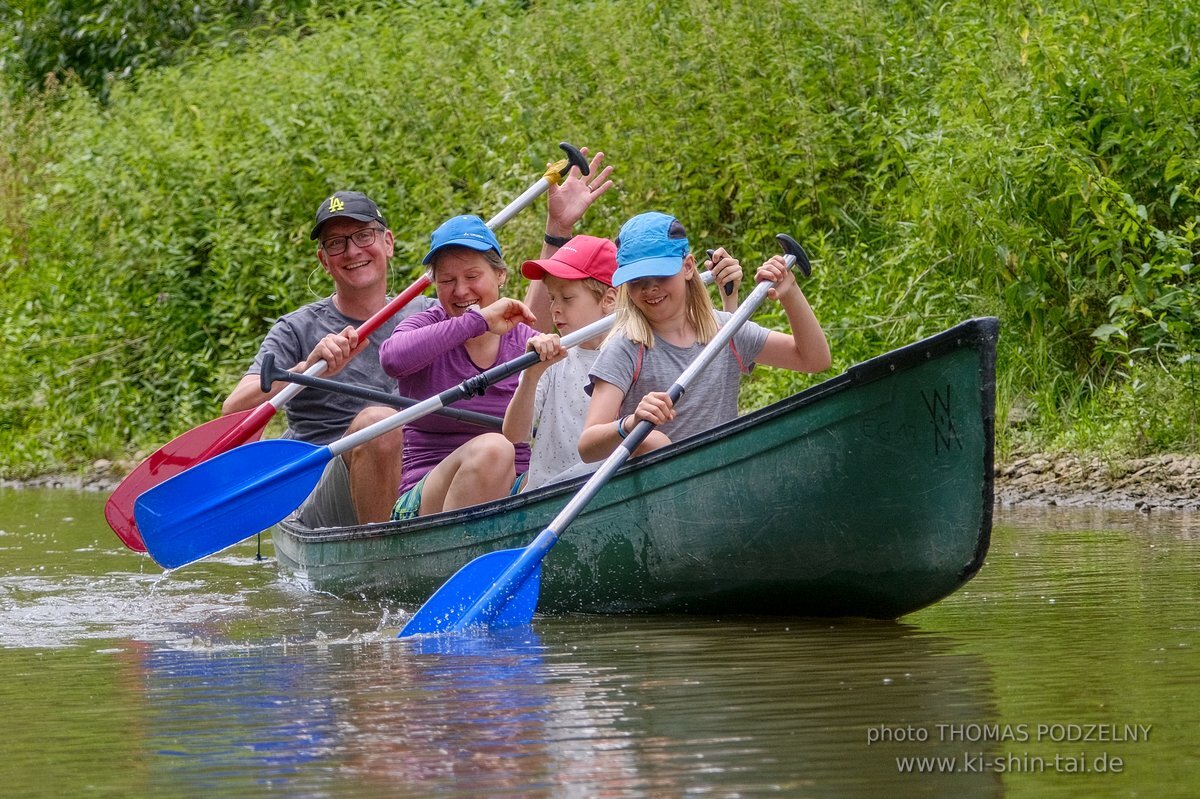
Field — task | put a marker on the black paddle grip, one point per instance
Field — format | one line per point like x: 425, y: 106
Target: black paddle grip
x: 265, y: 377
x: 792, y: 247
x: 574, y: 158
x: 474, y: 386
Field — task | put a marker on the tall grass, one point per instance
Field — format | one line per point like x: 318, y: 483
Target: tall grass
x: 937, y: 160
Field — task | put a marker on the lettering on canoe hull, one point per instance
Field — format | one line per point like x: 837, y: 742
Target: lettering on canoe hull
x: 945, y: 437
x: 886, y: 431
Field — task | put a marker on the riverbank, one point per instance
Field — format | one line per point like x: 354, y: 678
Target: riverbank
x: 1162, y: 482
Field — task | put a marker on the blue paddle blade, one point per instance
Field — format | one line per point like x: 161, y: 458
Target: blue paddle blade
x: 226, y: 499
x: 451, y: 604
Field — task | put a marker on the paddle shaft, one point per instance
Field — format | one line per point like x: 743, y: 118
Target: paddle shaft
x: 509, y: 581
x: 273, y: 374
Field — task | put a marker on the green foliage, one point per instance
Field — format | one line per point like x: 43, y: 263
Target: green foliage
x: 97, y: 43
x: 937, y: 160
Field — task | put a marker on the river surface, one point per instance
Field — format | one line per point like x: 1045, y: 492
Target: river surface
x: 1068, y: 667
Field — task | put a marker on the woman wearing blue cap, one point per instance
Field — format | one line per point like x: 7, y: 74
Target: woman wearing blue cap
x: 663, y: 320
x: 449, y: 464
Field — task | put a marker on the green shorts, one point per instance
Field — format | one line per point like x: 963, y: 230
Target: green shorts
x: 408, y: 506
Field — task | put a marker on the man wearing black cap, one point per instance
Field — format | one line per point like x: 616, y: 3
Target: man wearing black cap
x: 354, y: 245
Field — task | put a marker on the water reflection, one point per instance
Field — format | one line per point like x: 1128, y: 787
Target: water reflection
x: 213, y: 715
x: 222, y: 679
x: 473, y: 714
x: 576, y: 708
x: 787, y: 706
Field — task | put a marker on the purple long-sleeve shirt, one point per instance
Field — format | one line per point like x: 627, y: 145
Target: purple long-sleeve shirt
x: 426, y: 355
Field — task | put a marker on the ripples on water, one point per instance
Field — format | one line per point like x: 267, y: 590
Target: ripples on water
x: 223, y: 679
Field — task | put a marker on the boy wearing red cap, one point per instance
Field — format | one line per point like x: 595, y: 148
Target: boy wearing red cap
x: 550, y: 402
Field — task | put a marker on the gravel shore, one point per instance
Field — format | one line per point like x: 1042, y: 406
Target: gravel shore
x: 1165, y: 482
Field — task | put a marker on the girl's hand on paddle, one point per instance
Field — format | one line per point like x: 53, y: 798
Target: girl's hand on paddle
x: 567, y: 202
x: 658, y: 408
x: 336, y: 349
x: 775, y: 269
x: 506, y: 313
x: 655, y: 407
x: 727, y: 275
x: 725, y: 269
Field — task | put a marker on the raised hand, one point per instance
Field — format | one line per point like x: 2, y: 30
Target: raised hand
x: 567, y: 202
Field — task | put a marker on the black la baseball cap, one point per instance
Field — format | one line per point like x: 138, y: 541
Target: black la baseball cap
x: 351, y: 204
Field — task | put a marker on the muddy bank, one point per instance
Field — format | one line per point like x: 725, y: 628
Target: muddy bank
x: 1163, y: 481
x: 1159, y: 482
x: 102, y: 476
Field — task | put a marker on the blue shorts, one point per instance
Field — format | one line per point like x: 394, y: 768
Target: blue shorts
x: 408, y: 506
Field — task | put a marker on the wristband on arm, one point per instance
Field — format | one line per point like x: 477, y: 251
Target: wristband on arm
x: 621, y: 426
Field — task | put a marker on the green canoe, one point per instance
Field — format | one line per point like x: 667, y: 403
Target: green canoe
x: 869, y: 495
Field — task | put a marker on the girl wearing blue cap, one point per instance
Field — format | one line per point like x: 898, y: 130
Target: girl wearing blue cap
x: 663, y: 320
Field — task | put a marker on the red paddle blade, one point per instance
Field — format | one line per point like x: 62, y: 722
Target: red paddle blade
x: 177, y: 455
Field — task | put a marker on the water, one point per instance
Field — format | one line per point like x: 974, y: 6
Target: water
x: 224, y: 680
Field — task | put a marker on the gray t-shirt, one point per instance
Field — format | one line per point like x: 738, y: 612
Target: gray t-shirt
x: 316, y: 416
x: 711, y: 399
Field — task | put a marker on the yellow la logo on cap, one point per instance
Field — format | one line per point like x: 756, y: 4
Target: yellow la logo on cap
x: 336, y: 204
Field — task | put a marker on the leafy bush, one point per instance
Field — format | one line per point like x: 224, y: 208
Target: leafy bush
x: 98, y: 43
x: 938, y: 161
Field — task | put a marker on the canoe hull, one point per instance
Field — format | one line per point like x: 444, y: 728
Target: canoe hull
x: 867, y: 495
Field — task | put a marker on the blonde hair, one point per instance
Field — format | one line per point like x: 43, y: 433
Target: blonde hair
x: 598, y: 288
x: 630, y: 322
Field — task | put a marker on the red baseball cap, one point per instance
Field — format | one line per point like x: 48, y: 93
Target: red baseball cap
x: 582, y: 256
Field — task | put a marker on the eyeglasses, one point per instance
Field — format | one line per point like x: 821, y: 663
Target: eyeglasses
x: 336, y: 245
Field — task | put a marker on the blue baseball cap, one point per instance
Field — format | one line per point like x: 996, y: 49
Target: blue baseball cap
x: 650, y: 245
x: 462, y: 231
